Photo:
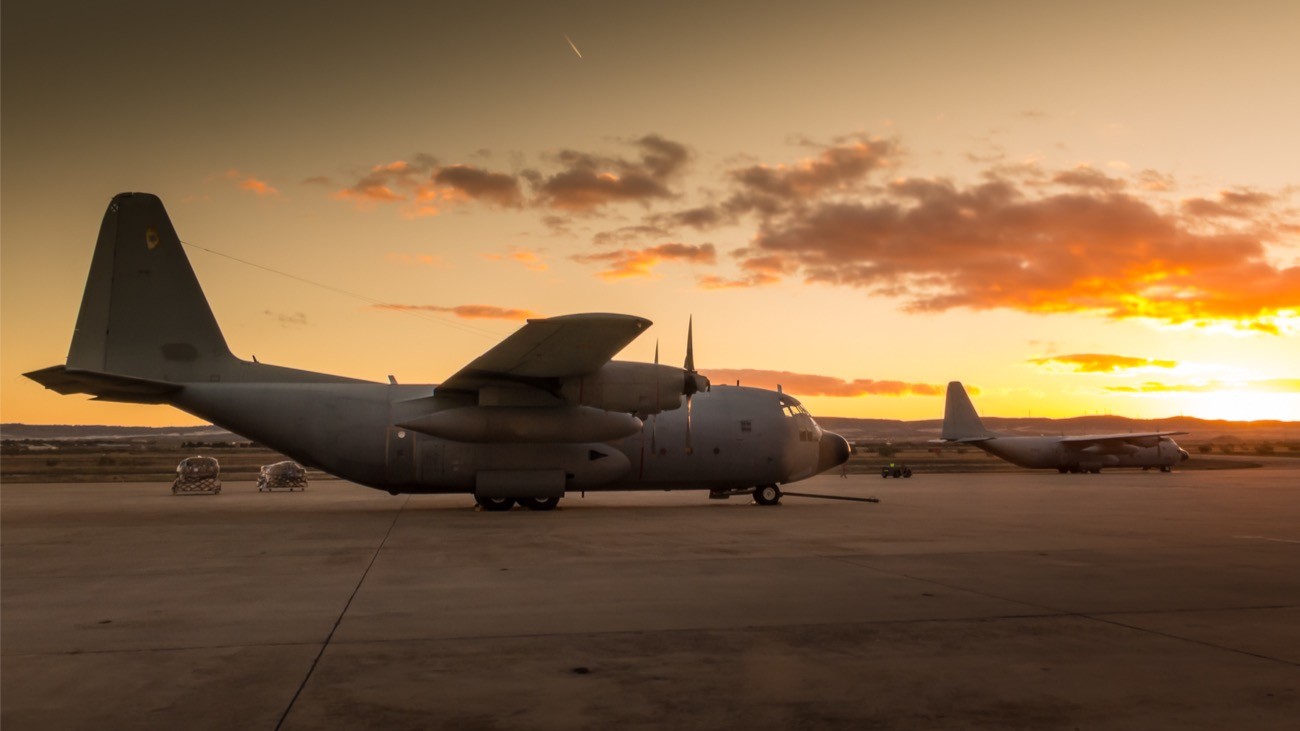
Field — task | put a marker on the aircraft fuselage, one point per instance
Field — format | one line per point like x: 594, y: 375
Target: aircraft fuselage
x: 740, y: 438
x: 1054, y: 453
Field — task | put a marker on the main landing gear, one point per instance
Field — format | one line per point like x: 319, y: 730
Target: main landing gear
x: 498, y: 504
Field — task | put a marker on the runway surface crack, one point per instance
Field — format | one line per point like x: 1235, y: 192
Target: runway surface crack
x: 339, y: 620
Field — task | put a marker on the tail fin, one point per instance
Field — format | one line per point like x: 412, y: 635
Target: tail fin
x: 959, y: 418
x: 143, y: 314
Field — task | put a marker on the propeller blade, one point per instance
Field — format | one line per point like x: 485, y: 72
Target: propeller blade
x: 690, y: 449
x: 654, y: 421
x: 690, y: 345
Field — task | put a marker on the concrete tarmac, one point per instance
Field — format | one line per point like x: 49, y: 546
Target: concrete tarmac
x: 1126, y: 600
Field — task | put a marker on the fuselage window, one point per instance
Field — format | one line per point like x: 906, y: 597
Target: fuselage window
x: 746, y: 425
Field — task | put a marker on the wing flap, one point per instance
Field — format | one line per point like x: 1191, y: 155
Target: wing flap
x: 554, y: 347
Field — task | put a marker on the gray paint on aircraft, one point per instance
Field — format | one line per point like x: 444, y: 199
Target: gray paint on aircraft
x: 146, y: 334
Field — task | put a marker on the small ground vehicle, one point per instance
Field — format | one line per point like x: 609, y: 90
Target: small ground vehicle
x: 287, y: 475
x: 197, y: 475
x: 895, y: 470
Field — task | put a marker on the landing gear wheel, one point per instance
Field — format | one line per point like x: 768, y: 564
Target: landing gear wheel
x: 767, y: 495
x: 1166, y: 468
x: 1062, y: 470
x: 539, y: 503
x: 495, y: 504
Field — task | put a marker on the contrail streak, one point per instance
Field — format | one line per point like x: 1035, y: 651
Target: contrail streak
x: 575, y: 48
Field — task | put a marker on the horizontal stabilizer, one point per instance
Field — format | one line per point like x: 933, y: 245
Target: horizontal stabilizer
x: 103, y: 386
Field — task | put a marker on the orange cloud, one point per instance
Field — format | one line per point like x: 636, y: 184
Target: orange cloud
x: 414, y: 259
x: 1271, y: 385
x: 530, y: 259
x: 942, y: 246
x: 469, y: 312
x: 392, y: 182
x: 252, y: 184
x: 625, y: 263
x: 1100, y: 363
x: 760, y: 271
x: 424, y: 184
x: 801, y: 384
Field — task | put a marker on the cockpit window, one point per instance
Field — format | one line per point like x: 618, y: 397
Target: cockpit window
x: 793, y: 408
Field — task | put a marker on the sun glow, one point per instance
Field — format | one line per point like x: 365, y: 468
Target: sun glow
x: 1239, y: 405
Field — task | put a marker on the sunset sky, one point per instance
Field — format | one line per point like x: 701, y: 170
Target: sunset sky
x: 1079, y: 209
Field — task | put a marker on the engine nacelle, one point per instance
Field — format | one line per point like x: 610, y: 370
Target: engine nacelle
x: 522, y: 424
x: 633, y: 388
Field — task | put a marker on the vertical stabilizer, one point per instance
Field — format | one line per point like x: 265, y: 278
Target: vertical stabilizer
x: 143, y: 314
x: 959, y: 418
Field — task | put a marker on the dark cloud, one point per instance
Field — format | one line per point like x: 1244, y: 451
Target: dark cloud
x: 1155, y: 181
x: 287, y: 319
x: 629, y: 233
x: 477, y: 184
x: 1089, y: 178
x: 839, y: 167
x: 1231, y: 204
x: 587, y: 181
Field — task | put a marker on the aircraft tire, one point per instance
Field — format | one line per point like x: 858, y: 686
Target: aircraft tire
x: 1166, y: 468
x: 539, y: 503
x: 767, y: 495
x: 495, y: 504
x: 1062, y: 470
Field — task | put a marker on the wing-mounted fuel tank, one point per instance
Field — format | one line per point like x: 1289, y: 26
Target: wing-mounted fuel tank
x: 633, y: 388
x: 530, y: 425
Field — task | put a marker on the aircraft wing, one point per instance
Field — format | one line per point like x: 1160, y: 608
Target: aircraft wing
x: 1137, y: 439
x: 554, y: 347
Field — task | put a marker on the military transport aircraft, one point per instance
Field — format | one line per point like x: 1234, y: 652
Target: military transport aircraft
x: 544, y: 412
x: 1087, y: 453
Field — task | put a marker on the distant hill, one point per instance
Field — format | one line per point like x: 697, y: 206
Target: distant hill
x: 73, y: 431
x: 1197, y: 429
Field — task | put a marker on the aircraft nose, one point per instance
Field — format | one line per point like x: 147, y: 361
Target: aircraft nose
x: 832, y: 451
x: 1183, y: 456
